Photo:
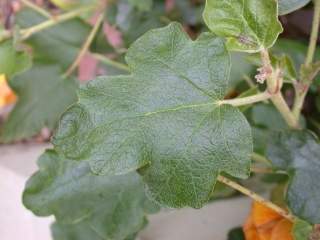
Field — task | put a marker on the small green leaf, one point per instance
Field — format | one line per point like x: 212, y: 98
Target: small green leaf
x: 296, y: 51
x: 288, y: 6
x: 12, y: 61
x: 163, y: 119
x: 113, y: 207
x: 302, y: 230
x: 288, y: 68
x: 297, y: 152
x: 42, y: 97
x: 308, y: 73
x: 248, y: 25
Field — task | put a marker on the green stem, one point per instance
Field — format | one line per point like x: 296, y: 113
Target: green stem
x: 274, y: 85
x: 314, y: 33
x: 85, y: 46
x: 236, y: 102
x: 249, y: 81
x: 111, y: 62
x: 302, y: 89
x: 36, y: 8
x: 26, y: 33
x: 256, y: 197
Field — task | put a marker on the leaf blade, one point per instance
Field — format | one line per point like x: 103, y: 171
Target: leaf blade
x: 297, y: 152
x: 249, y: 25
x: 148, y: 120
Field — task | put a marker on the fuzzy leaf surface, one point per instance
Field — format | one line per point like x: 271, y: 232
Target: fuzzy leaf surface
x: 77, y: 231
x: 248, y: 25
x: 298, y: 153
x: 163, y: 119
x: 112, y: 207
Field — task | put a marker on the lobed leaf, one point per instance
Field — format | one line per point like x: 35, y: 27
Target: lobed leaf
x: 164, y: 119
x: 109, y: 207
x: 297, y: 152
x: 248, y: 25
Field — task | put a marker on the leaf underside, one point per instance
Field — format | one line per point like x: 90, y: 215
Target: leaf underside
x: 163, y: 119
x: 248, y: 25
x: 298, y: 152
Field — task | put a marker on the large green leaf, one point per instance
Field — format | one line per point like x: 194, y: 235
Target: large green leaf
x: 288, y: 6
x: 112, y: 207
x: 248, y: 25
x: 78, y: 231
x: 59, y: 44
x: 42, y: 97
x: 298, y: 153
x: 12, y: 61
x: 163, y: 119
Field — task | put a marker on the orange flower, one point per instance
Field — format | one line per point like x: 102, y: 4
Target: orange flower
x: 265, y: 224
x: 6, y: 94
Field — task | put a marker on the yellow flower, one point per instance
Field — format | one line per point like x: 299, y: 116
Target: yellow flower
x: 6, y: 94
x: 265, y: 224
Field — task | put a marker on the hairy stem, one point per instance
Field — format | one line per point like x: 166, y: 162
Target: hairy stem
x: 85, y: 46
x: 284, y: 110
x: 236, y: 102
x: 256, y: 197
x: 314, y: 33
x: 305, y: 84
x: 274, y: 85
x: 36, y: 8
x: 111, y: 62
